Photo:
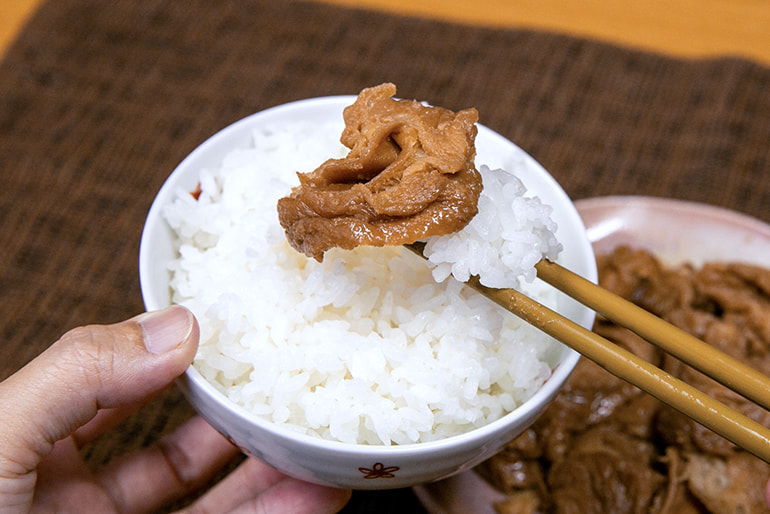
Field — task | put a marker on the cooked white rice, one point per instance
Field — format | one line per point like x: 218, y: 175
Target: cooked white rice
x: 365, y: 347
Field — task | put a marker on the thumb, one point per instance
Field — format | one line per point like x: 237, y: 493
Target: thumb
x: 90, y: 368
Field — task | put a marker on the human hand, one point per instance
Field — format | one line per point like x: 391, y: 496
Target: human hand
x: 87, y: 382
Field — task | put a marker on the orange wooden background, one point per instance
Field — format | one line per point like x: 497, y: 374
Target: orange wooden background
x: 691, y: 28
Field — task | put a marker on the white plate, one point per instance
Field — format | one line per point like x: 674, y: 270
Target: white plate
x: 677, y: 231
x: 674, y: 230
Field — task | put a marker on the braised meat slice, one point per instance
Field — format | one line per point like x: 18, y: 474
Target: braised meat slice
x: 410, y: 174
x: 604, y: 446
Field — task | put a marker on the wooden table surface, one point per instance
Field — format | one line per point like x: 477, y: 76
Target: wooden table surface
x: 691, y: 28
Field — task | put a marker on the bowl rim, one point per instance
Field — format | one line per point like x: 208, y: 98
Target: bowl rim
x: 471, y: 438
x: 669, y: 207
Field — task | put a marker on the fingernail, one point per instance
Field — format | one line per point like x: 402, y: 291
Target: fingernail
x: 164, y: 330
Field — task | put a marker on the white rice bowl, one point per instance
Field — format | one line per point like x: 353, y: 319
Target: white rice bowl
x: 426, y: 378
x: 365, y: 347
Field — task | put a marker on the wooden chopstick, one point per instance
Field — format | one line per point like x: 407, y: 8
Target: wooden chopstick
x: 712, y: 414
x: 730, y: 372
x: 733, y: 426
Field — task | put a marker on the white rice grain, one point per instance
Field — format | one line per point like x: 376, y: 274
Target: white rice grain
x: 370, y: 346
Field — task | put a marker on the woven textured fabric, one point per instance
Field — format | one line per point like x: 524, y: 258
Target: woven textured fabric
x: 100, y: 100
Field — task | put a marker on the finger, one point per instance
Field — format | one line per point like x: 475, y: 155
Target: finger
x: 179, y: 464
x: 250, y: 479
x: 90, y: 368
x: 64, y: 481
x: 107, y: 419
x: 292, y: 495
x: 103, y: 422
x: 256, y: 487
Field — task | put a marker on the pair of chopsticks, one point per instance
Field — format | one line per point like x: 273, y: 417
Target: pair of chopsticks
x: 732, y: 425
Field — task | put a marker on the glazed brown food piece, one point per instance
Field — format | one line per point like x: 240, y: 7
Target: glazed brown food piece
x: 409, y: 174
x: 605, y: 446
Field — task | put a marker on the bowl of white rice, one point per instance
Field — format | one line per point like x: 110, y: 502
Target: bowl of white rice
x: 374, y: 368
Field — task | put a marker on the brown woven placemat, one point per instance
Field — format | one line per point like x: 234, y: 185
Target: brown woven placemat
x: 100, y: 100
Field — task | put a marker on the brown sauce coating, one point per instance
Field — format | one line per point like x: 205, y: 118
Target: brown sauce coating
x: 409, y: 174
x: 605, y: 446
